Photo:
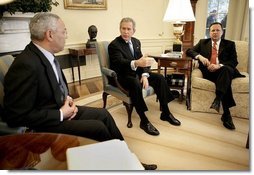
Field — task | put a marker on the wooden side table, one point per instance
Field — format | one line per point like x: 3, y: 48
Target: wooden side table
x: 179, y: 64
x: 76, y: 52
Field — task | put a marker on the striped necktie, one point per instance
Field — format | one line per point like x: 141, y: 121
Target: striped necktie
x: 61, y: 82
x: 131, y: 48
x: 214, y: 54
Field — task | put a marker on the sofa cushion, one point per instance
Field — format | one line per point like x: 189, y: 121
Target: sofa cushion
x: 242, y: 50
x: 241, y: 84
x: 238, y: 84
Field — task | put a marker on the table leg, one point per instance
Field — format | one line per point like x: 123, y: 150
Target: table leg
x: 188, y: 93
x: 72, y: 71
x: 247, y: 142
x: 79, y: 70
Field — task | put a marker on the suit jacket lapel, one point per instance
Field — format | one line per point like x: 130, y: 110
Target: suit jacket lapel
x: 209, y: 47
x: 135, y: 47
x: 51, y: 75
x: 221, y: 47
x: 126, y: 48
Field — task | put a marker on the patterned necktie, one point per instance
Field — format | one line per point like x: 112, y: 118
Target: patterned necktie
x: 131, y: 48
x: 214, y: 54
x: 61, y: 82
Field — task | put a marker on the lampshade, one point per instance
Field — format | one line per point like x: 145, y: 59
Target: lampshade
x: 2, y: 2
x: 179, y: 11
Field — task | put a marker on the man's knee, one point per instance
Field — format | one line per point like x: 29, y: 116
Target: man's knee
x: 227, y: 70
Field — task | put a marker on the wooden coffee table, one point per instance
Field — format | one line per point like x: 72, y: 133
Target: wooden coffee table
x: 41, y: 151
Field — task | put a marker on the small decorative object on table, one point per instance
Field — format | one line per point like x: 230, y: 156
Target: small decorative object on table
x: 92, y: 31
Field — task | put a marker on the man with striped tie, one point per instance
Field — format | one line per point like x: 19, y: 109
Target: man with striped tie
x: 36, y: 91
x: 133, y: 73
x: 217, y: 61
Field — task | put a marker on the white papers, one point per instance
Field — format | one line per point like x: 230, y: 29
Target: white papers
x: 108, y: 155
x: 173, y: 54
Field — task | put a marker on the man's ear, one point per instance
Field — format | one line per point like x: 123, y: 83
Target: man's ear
x: 49, y: 35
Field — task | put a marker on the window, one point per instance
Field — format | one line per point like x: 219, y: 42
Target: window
x: 217, y: 12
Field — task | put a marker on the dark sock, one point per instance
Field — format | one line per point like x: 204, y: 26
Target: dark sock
x: 226, y: 111
x: 143, y: 118
x: 165, y: 110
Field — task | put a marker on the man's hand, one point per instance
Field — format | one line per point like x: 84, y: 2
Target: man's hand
x: 204, y: 60
x: 144, y: 81
x: 213, y: 67
x: 144, y: 61
x: 69, y: 109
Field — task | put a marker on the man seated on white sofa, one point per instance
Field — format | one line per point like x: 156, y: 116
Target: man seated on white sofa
x: 217, y: 59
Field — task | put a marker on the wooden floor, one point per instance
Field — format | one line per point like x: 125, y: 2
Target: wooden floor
x: 87, y: 87
x: 200, y: 143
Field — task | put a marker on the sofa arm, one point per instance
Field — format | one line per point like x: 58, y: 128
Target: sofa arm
x: 196, y: 73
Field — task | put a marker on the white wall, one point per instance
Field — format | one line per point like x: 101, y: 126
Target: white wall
x: 155, y: 35
x: 148, y: 15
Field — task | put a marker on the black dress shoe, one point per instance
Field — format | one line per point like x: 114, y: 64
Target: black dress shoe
x: 228, y: 122
x: 170, y: 118
x: 149, y: 166
x: 216, y: 105
x: 149, y: 129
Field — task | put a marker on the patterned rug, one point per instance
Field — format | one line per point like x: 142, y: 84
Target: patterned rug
x: 95, y: 100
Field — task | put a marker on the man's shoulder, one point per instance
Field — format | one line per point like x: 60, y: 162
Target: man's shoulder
x: 205, y: 40
x: 30, y: 56
x: 226, y: 41
x: 135, y: 39
x: 116, y: 41
x: 28, y: 52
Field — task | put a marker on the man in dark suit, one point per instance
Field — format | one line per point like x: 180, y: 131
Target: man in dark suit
x: 217, y: 59
x: 132, y: 69
x: 36, y: 93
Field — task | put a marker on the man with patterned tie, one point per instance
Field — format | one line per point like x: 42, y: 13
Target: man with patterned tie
x: 36, y: 92
x: 133, y: 73
x: 217, y: 61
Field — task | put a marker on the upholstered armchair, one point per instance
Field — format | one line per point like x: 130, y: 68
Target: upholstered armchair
x: 203, y: 91
x: 5, y: 62
x: 115, y: 90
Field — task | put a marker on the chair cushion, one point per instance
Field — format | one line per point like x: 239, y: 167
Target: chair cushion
x: 147, y: 92
x: 241, y: 84
x: 238, y: 84
x: 5, y: 62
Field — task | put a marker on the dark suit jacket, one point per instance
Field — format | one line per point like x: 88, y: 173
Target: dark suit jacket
x: 32, y: 94
x: 121, y: 57
x: 227, y: 53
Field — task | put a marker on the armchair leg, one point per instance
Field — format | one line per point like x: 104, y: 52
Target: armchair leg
x: 247, y: 142
x: 104, y: 97
x: 129, y: 108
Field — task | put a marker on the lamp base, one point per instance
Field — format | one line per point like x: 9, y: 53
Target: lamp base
x: 177, y: 47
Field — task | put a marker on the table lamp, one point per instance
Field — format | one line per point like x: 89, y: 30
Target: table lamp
x: 2, y: 2
x: 178, y: 12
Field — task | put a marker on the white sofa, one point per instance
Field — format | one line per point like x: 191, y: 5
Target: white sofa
x: 203, y: 91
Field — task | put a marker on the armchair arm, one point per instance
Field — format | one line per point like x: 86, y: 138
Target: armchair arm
x: 6, y: 130
x: 108, y: 72
x: 111, y: 73
x: 195, y: 64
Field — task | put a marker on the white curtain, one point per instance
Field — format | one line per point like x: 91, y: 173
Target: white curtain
x: 238, y: 20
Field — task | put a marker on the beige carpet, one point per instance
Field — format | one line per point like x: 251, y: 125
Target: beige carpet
x: 200, y: 143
